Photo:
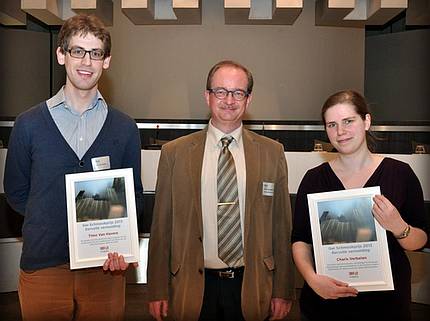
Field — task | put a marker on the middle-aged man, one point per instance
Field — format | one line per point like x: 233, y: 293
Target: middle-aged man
x: 219, y: 246
x: 74, y: 131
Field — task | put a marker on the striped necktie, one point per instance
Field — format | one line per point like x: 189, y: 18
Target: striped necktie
x: 228, y: 215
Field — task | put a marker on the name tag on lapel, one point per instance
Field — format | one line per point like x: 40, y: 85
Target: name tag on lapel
x: 268, y: 189
x: 100, y: 163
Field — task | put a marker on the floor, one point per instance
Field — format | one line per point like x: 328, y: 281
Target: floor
x: 137, y: 307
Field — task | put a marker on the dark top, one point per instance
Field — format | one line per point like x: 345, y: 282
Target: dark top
x: 401, y: 186
x: 38, y: 159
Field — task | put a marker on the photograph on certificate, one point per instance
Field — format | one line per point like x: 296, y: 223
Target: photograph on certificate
x: 346, y: 221
x: 100, y: 199
x: 349, y: 244
x: 101, y: 217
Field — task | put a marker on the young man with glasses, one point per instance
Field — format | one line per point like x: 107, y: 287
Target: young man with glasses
x: 219, y: 246
x: 66, y: 134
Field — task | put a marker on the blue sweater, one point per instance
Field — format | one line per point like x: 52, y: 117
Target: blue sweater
x: 37, y: 161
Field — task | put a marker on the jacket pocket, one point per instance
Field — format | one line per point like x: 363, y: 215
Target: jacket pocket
x: 269, y: 262
x: 174, y: 268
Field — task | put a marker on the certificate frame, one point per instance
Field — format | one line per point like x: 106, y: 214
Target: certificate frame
x: 348, y: 242
x: 101, y: 217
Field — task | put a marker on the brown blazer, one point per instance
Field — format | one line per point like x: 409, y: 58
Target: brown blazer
x: 175, y: 264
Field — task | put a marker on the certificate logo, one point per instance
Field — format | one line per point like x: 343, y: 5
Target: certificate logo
x: 104, y: 248
x: 353, y: 274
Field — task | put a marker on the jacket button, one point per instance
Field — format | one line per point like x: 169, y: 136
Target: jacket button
x: 201, y: 271
x: 81, y: 163
x: 200, y: 239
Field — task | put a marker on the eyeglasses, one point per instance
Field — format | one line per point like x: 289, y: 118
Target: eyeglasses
x: 222, y: 93
x: 78, y: 52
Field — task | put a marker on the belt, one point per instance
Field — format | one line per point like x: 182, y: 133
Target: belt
x: 227, y: 273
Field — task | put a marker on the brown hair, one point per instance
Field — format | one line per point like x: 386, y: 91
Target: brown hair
x: 229, y: 63
x: 83, y: 24
x: 360, y: 105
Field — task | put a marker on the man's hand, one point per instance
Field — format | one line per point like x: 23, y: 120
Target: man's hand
x: 279, y: 308
x: 158, y: 309
x: 116, y: 262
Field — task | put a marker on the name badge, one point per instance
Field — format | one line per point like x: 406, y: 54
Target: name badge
x: 100, y: 163
x: 268, y: 189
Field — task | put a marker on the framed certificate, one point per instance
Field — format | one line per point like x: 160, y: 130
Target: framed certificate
x: 101, y: 214
x: 349, y: 244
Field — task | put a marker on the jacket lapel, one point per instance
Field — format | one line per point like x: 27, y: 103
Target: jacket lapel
x: 196, y: 151
x: 252, y: 161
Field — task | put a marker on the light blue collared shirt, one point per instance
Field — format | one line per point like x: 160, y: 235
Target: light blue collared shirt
x: 80, y: 131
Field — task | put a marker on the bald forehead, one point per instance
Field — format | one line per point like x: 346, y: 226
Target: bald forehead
x: 230, y: 73
x: 230, y: 69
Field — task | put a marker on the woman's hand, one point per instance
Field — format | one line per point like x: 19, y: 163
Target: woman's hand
x: 329, y: 288
x: 387, y: 215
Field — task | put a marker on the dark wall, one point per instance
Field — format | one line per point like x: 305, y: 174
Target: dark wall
x: 58, y: 78
x: 397, y: 77
x: 24, y: 69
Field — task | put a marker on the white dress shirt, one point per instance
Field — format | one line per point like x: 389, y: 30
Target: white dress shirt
x: 209, y: 194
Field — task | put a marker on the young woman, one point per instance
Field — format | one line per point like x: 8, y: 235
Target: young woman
x: 399, y: 210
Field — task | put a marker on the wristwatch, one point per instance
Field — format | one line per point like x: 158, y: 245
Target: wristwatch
x: 405, y: 233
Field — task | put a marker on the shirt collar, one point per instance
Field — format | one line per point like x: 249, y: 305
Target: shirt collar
x: 215, y: 135
x: 59, y: 100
